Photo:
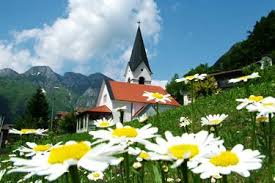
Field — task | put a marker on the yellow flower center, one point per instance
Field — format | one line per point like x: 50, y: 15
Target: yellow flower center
x: 125, y: 132
x: 215, y: 121
x: 28, y: 130
x: 42, y: 148
x: 224, y: 159
x: 66, y: 152
x: 190, y: 77
x: 255, y: 98
x: 243, y: 78
x: 157, y: 95
x: 144, y: 155
x: 181, y: 150
x: 96, y: 175
x: 262, y: 119
x: 104, y: 124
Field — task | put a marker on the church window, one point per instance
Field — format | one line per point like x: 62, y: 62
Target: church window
x: 105, y: 98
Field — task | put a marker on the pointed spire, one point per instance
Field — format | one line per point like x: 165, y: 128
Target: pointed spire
x: 138, y: 52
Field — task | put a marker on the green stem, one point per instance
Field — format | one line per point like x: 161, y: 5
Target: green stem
x: 224, y: 179
x: 216, y: 130
x: 192, y: 100
x: 126, y: 167
x: 270, y: 139
x: 270, y: 158
x: 184, y: 170
x: 74, y: 174
x: 157, y: 111
x: 141, y: 174
x: 253, y: 120
x: 67, y: 177
x: 163, y: 177
x: 121, y: 172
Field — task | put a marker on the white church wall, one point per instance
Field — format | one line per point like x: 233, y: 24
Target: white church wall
x: 127, y: 113
x: 104, y: 97
x: 128, y: 74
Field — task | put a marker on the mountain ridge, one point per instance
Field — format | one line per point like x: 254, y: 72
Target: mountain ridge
x: 67, y: 91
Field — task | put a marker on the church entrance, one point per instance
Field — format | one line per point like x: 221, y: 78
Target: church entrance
x: 141, y: 80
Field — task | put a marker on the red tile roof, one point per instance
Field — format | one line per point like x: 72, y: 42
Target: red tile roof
x: 99, y: 109
x: 134, y: 92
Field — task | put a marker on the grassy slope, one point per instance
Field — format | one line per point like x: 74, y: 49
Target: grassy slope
x: 235, y: 130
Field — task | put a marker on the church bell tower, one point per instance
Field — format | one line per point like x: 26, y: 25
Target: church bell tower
x: 138, y: 69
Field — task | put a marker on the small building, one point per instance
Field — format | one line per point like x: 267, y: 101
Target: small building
x: 223, y: 77
x: 4, y: 133
x: 86, y: 117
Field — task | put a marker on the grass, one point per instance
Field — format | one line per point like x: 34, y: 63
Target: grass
x: 234, y: 130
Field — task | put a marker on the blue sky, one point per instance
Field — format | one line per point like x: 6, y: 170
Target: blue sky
x: 184, y: 33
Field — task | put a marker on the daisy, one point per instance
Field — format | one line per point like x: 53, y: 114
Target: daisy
x: 94, y: 176
x: 195, y: 77
x: 142, y: 155
x: 125, y: 134
x: 250, y: 100
x: 184, y: 121
x: 266, y: 106
x: 245, y: 78
x: 57, y: 162
x: 262, y: 118
x: 223, y: 162
x: 137, y: 165
x: 104, y: 123
x: 143, y: 118
x: 215, y: 119
x: 34, y: 149
x: 190, y: 147
x: 158, y: 97
x: 169, y: 179
x: 28, y: 131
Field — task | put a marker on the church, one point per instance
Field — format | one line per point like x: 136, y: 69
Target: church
x: 116, y: 94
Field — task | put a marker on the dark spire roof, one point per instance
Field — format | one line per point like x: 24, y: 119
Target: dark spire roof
x: 138, y: 53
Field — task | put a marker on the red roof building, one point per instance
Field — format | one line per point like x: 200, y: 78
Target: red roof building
x: 131, y: 92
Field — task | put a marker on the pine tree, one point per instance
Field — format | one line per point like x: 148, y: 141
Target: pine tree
x: 38, y: 109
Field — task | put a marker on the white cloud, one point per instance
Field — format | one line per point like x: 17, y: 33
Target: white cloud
x: 92, y: 30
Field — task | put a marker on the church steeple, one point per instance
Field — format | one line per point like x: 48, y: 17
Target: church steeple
x: 138, y: 53
x: 138, y: 69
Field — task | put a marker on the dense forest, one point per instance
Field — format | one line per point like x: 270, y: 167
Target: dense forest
x: 260, y: 42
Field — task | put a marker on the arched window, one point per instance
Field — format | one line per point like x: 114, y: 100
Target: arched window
x: 129, y: 80
x: 141, y: 80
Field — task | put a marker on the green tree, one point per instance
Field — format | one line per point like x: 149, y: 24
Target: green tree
x: 68, y: 124
x: 38, y: 109
x: 200, y: 69
x: 175, y: 88
x: 205, y: 87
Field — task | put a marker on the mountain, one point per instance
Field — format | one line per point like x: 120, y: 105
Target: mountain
x: 7, y: 72
x: 259, y: 43
x: 67, y: 92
